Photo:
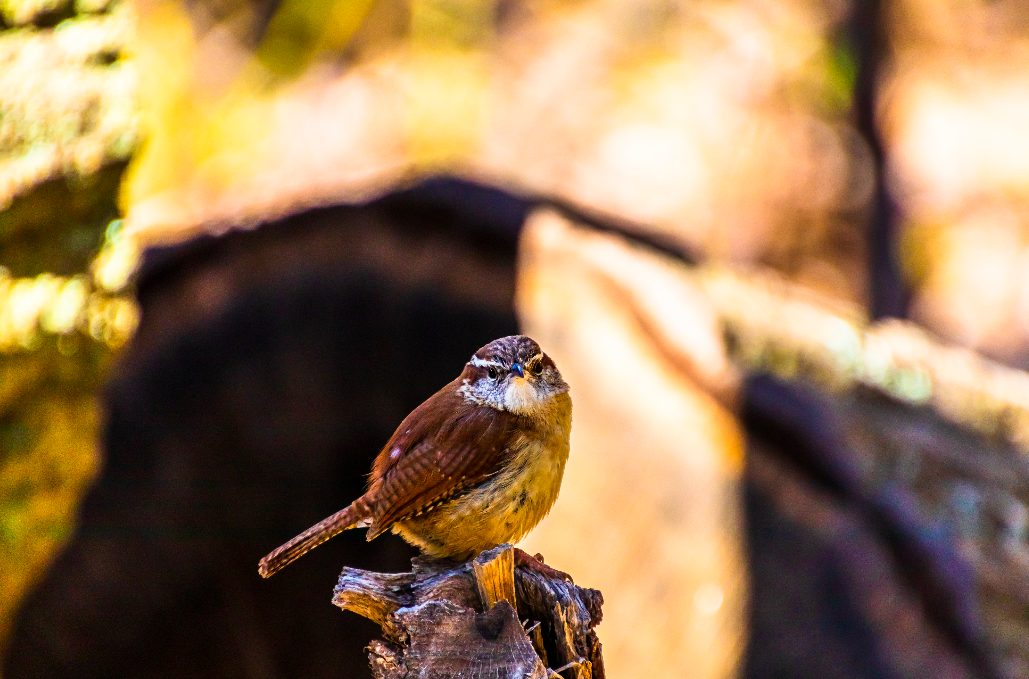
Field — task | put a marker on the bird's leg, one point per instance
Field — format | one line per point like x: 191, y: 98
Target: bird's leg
x: 535, y: 563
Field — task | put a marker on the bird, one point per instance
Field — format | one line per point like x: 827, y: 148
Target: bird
x: 477, y: 465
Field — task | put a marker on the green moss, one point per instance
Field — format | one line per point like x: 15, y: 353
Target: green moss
x: 68, y: 106
x: 68, y: 126
x: 841, y: 75
x: 35, y: 12
x: 58, y: 226
x: 48, y: 430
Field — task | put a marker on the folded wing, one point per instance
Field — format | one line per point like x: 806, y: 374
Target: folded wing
x: 443, y: 447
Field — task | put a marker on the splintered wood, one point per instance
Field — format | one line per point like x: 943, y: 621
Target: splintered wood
x: 476, y: 620
x: 494, y: 576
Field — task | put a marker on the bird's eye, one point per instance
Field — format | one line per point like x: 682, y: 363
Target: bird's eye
x: 492, y: 372
x: 538, y: 369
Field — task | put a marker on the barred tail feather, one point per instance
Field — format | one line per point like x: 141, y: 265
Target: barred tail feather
x: 350, y: 517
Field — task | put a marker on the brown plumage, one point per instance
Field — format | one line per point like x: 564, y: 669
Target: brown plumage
x: 477, y: 464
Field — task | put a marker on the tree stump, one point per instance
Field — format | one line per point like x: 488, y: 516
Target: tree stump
x: 479, y: 619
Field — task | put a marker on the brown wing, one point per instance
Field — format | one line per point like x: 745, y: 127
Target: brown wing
x: 444, y: 446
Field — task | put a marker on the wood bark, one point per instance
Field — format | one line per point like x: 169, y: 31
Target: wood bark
x: 480, y: 619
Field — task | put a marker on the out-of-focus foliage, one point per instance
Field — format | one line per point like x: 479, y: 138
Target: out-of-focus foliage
x: 32, y: 308
x: 774, y: 326
x: 68, y: 125
x: 955, y: 116
x: 48, y: 428
x: 68, y: 101
x: 56, y: 339
x: 724, y: 124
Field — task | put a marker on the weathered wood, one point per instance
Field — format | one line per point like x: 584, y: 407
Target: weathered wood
x: 494, y: 576
x: 535, y: 632
x: 376, y: 596
x: 448, y: 640
x: 567, y: 614
x: 446, y: 619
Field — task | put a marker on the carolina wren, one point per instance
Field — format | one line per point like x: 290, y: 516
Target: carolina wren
x: 477, y: 465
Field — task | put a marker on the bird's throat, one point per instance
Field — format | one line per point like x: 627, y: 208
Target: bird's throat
x: 522, y: 398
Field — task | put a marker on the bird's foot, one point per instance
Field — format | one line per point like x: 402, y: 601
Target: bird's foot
x: 535, y: 563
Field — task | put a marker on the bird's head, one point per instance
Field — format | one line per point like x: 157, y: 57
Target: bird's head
x: 513, y: 374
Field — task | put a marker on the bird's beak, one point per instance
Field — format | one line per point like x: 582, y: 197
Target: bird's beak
x: 517, y: 367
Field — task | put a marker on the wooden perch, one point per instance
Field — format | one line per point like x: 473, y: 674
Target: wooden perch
x: 475, y: 620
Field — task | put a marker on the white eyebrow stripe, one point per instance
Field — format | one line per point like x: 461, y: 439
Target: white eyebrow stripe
x: 479, y: 363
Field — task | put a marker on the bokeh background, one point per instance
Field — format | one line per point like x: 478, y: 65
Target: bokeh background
x: 816, y: 166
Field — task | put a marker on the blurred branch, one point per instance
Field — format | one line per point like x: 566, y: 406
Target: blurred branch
x: 772, y: 325
x: 867, y: 36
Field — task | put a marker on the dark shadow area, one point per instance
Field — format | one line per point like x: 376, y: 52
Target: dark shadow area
x: 851, y: 578
x: 269, y: 368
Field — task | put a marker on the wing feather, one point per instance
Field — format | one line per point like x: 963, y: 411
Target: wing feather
x: 445, y: 445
